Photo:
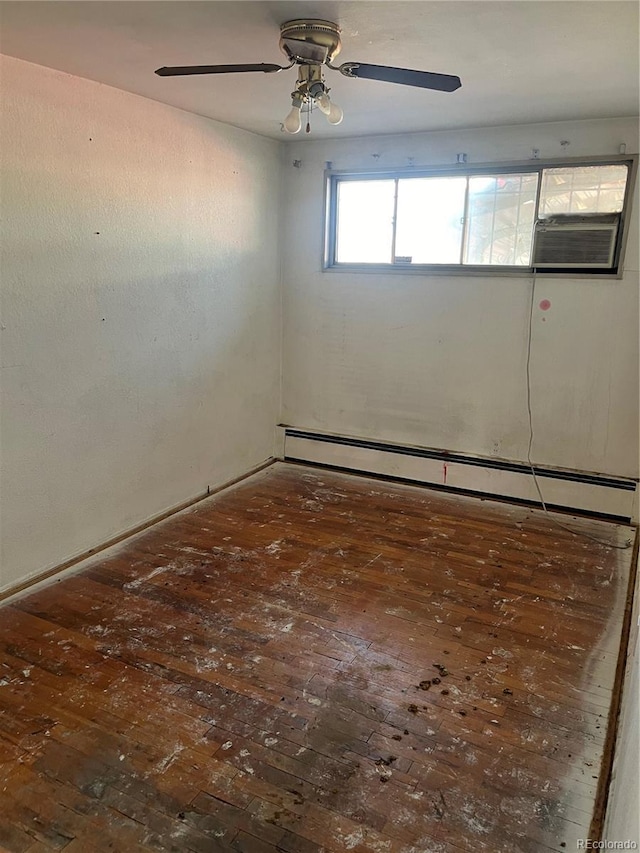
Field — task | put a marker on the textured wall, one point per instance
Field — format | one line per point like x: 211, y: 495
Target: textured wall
x: 623, y: 815
x: 140, y: 311
x: 440, y: 361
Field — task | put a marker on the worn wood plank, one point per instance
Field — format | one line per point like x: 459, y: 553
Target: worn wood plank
x: 313, y: 661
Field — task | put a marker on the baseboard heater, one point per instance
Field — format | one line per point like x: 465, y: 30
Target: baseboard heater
x: 603, y: 496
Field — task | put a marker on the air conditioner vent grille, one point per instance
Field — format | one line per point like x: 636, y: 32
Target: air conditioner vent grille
x: 575, y: 245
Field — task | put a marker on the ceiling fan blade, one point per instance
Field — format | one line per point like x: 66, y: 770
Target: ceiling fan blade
x: 181, y: 70
x: 403, y: 76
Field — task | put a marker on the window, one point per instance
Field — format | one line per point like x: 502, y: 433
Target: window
x: 428, y: 221
x: 583, y: 189
x: 471, y: 220
x: 500, y: 217
x: 365, y: 225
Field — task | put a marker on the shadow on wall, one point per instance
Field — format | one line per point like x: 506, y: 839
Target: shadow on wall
x: 118, y: 416
x: 141, y: 331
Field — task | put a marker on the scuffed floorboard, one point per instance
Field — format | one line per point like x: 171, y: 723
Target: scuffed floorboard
x: 312, y: 661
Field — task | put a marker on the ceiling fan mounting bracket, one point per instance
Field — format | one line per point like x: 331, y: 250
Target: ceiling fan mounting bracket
x: 305, y: 40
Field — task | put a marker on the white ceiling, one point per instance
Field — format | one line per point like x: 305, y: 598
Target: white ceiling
x: 526, y: 61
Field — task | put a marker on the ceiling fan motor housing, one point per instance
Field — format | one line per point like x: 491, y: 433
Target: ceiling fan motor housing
x: 310, y: 40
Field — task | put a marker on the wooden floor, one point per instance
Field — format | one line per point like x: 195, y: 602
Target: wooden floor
x: 313, y: 661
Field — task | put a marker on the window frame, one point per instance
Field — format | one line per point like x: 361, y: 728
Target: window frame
x: 333, y: 177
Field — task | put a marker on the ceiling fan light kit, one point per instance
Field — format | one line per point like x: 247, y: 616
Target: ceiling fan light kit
x: 311, y: 90
x: 311, y: 44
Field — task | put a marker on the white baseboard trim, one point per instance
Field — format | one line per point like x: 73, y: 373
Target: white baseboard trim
x: 566, y: 490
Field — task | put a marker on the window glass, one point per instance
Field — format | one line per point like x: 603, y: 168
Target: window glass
x: 364, y: 232
x: 583, y: 189
x: 500, y: 217
x: 430, y: 220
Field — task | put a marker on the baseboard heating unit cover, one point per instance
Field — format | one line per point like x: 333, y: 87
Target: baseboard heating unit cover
x: 614, y: 497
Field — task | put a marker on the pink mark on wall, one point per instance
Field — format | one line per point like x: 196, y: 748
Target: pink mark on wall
x: 545, y: 305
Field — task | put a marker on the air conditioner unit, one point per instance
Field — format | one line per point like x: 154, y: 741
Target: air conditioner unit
x: 573, y: 241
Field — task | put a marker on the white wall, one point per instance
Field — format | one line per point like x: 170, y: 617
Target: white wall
x: 440, y: 361
x: 622, y: 820
x: 140, y: 364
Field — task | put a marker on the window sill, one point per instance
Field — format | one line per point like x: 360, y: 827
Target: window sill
x: 471, y: 272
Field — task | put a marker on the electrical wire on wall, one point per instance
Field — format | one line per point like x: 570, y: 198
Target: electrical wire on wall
x: 530, y: 445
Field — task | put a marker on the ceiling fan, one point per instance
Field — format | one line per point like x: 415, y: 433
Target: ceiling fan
x: 310, y: 44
